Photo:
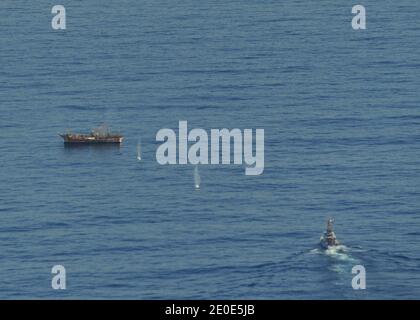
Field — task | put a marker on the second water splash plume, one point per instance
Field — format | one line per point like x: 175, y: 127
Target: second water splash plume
x: 197, y: 178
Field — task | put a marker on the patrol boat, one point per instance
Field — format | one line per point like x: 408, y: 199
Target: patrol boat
x: 328, y: 239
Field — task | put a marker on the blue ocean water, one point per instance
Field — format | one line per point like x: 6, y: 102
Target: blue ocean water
x: 340, y: 110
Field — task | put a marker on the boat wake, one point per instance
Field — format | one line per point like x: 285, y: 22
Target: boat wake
x: 339, y: 252
x: 340, y: 257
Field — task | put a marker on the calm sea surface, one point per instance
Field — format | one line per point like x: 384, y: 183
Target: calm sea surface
x: 341, y: 114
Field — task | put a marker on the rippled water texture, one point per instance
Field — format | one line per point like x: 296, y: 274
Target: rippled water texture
x: 340, y: 110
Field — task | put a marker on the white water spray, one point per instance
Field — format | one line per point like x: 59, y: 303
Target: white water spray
x: 197, y: 179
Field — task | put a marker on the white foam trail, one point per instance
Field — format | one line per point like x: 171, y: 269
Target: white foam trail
x: 197, y: 179
x: 339, y: 253
x: 315, y: 251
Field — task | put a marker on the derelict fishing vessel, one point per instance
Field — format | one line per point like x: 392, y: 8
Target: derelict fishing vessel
x: 100, y: 135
